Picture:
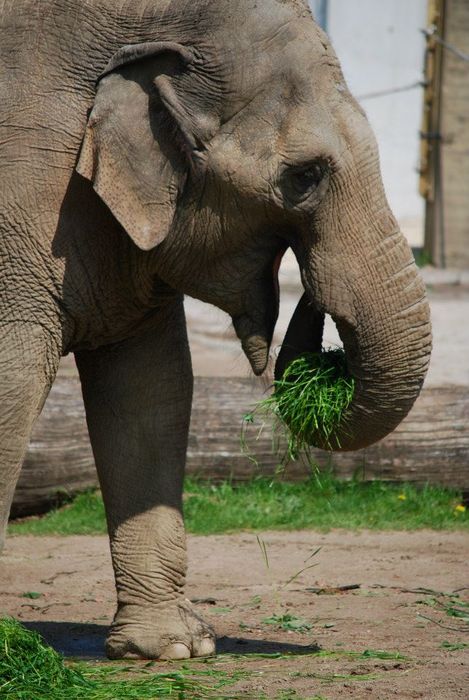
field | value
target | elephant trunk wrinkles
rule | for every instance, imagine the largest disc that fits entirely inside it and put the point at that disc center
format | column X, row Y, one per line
column 382, row 315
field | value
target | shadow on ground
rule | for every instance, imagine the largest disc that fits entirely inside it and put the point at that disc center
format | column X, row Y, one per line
column 86, row 641
column 240, row 645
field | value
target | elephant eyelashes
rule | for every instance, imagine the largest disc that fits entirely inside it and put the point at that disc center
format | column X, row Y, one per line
column 300, row 183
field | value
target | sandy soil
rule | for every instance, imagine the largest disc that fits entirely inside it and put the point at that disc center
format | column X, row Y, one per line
column 236, row 592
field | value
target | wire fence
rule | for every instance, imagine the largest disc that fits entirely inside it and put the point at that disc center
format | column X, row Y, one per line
column 428, row 33
column 431, row 33
column 391, row 91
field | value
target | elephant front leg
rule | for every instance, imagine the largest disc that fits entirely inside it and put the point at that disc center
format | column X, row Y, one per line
column 153, row 619
column 137, row 396
column 29, row 357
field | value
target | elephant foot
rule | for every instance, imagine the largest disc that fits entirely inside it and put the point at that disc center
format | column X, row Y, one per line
column 173, row 631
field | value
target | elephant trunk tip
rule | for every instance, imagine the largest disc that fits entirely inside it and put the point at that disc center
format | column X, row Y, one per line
column 385, row 371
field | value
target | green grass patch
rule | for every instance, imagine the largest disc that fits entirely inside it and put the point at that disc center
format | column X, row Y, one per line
column 32, row 595
column 83, row 515
column 320, row 503
column 32, row 670
column 29, row 669
column 308, row 403
column 338, row 677
column 422, row 257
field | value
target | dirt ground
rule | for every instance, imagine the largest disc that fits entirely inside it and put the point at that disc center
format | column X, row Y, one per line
column 398, row 607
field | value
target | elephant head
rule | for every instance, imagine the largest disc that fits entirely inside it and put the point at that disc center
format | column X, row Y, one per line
column 233, row 136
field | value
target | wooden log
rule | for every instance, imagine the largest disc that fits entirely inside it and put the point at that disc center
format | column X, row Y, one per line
column 430, row 446
column 59, row 461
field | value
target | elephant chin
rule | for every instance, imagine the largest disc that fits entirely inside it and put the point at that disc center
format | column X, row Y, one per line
column 256, row 348
column 255, row 334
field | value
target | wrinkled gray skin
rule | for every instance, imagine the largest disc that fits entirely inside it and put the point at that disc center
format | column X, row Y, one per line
column 187, row 169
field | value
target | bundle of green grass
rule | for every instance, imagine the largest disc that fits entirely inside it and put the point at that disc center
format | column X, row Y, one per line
column 31, row 670
column 310, row 400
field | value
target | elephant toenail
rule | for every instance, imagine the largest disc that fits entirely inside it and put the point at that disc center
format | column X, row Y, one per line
column 204, row 647
column 178, row 650
column 131, row 655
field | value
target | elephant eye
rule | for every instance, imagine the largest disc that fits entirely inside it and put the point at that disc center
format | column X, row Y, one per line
column 307, row 178
column 303, row 181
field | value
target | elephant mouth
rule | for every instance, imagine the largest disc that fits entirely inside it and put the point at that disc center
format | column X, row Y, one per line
column 275, row 270
column 297, row 341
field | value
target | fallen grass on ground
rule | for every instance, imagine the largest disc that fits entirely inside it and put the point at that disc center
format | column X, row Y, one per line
column 31, row 670
column 321, row 502
column 448, row 605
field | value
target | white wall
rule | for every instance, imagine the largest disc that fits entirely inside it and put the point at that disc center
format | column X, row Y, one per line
column 380, row 46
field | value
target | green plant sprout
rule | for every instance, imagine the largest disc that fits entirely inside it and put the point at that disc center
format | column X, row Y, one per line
column 310, row 399
column 288, row 622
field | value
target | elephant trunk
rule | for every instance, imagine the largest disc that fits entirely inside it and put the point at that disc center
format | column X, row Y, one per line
column 379, row 305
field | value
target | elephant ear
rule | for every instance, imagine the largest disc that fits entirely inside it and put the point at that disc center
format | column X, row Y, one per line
column 144, row 109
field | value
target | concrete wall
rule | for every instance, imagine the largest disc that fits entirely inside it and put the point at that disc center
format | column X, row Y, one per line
column 380, row 47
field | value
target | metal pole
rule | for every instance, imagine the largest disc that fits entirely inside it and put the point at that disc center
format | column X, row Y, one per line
column 431, row 185
column 320, row 12
column 323, row 13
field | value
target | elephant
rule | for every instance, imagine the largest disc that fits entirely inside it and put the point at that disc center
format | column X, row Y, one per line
column 161, row 148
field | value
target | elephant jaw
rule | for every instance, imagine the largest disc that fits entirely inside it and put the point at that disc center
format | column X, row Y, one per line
column 255, row 328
